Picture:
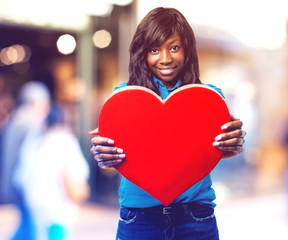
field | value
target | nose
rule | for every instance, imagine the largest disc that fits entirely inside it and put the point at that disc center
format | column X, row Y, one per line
column 165, row 57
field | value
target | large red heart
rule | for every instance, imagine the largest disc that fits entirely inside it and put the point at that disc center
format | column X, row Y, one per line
column 168, row 144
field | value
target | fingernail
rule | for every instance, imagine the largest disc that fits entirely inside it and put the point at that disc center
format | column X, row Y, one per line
column 224, row 127
column 110, row 141
column 215, row 144
column 122, row 156
column 119, row 150
column 218, row 138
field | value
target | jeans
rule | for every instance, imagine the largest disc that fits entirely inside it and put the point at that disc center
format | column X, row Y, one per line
column 181, row 222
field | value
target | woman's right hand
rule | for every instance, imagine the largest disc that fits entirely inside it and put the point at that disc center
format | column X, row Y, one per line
column 104, row 151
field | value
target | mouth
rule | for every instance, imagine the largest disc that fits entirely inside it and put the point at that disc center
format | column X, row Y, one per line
column 166, row 71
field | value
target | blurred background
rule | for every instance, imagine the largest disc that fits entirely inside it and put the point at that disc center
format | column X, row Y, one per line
column 79, row 49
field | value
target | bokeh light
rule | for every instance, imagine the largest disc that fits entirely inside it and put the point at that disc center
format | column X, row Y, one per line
column 14, row 54
column 102, row 38
column 66, row 44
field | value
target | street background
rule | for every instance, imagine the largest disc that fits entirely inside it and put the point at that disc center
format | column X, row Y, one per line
column 81, row 52
column 256, row 217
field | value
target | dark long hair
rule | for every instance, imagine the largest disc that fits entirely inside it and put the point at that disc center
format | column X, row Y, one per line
column 155, row 28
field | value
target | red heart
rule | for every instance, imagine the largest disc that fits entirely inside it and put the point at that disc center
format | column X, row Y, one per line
column 168, row 144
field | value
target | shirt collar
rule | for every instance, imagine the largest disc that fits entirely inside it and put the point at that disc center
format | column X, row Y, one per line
column 164, row 91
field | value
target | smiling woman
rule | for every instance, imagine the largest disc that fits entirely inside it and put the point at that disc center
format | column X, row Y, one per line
column 163, row 58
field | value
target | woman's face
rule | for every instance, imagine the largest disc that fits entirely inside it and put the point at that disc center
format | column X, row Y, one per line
column 167, row 60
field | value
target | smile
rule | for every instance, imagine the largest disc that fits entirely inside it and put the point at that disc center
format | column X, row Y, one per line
column 167, row 71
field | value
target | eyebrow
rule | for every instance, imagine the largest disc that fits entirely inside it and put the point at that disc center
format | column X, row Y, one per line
column 174, row 40
column 171, row 42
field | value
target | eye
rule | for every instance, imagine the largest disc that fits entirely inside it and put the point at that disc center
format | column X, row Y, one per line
column 154, row 50
column 175, row 48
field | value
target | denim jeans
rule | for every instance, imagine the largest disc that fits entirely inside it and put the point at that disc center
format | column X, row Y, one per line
column 186, row 222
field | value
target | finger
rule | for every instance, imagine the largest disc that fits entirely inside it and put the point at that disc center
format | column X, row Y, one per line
column 94, row 132
column 103, row 149
column 93, row 150
column 100, row 157
column 239, row 133
column 228, row 154
column 229, row 142
column 106, row 149
column 233, row 124
column 230, row 126
column 237, row 149
column 109, row 164
column 102, row 141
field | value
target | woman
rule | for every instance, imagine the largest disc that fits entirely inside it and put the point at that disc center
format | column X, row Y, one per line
column 163, row 57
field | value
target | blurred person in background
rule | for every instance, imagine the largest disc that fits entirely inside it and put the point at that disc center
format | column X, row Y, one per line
column 6, row 107
column 6, row 104
column 30, row 114
column 53, row 174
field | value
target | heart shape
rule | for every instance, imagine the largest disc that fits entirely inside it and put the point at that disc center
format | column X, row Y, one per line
column 168, row 144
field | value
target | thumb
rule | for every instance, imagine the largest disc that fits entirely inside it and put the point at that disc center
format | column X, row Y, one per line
column 94, row 132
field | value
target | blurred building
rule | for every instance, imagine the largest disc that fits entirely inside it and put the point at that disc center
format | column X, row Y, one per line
column 74, row 50
column 81, row 52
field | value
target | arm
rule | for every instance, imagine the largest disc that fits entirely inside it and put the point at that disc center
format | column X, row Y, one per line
column 104, row 151
column 77, row 190
column 231, row 142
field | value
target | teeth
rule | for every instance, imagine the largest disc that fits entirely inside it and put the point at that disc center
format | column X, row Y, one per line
column 166, row 71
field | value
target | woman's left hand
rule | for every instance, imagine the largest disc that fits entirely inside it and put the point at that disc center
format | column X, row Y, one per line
column 231, row 142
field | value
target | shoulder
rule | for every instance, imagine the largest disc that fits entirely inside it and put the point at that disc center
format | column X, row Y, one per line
column 216, row 89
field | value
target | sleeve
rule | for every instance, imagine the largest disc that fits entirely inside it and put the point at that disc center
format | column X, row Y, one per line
column 123, row 84
column 216, row 89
